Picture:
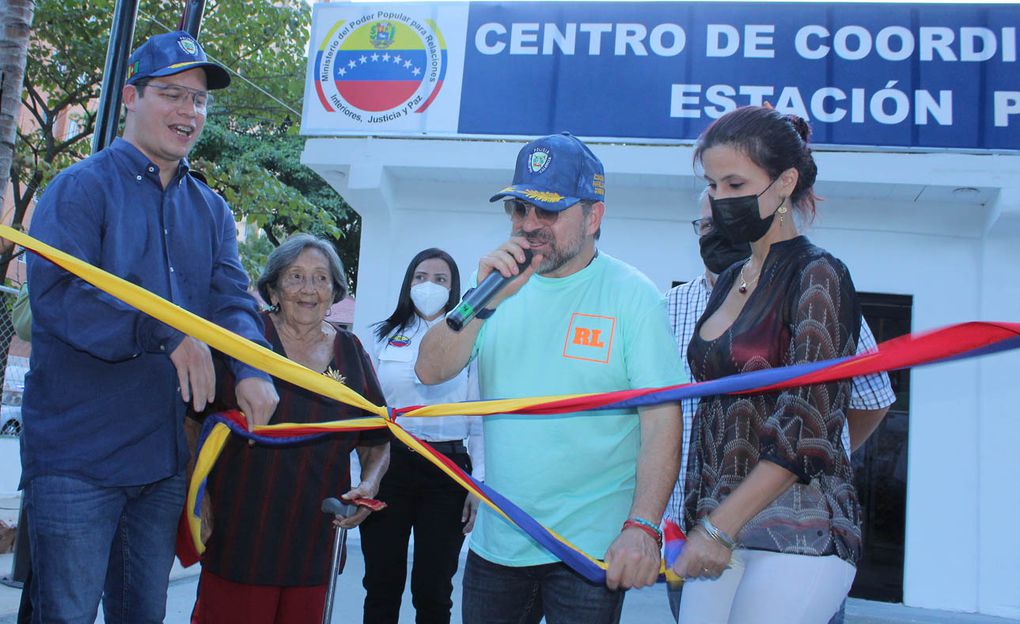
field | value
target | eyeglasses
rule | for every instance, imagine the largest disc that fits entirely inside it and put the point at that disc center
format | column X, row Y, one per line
column 517, row 210
column 297, row 281
column 703, row 226
column 176, row 94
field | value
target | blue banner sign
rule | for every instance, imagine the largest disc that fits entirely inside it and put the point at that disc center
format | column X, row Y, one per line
column 893, row 75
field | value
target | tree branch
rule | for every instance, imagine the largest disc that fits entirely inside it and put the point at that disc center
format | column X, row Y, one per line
column 35, row 102
column 268, row 229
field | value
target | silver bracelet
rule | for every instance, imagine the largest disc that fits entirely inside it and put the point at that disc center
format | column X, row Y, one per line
column 716, row 533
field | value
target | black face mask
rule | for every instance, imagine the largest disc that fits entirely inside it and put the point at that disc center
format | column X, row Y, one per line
column 738, row 217
column 719, row 253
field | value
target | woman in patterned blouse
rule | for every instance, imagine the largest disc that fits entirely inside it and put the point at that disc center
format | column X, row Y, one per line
column 774, row 519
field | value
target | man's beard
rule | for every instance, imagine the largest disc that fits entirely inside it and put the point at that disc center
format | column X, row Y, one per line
column 557, row 254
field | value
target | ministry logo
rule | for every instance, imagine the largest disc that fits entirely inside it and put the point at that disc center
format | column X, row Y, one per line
column 380, row 67
column 381, row 35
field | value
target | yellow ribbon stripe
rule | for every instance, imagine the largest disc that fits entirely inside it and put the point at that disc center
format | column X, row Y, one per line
column 492, row 406
column 210, row 452
column 274, row 364
column 195, row 326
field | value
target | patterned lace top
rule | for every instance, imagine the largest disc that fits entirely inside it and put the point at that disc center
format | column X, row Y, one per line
column 804, row 309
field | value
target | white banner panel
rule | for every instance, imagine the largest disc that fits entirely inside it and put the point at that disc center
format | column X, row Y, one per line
column 385, row 69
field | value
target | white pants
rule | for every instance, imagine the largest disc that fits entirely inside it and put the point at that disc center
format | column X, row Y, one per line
column 763, row 587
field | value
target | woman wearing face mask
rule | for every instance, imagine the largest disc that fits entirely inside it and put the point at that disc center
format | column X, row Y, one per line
column 773, row 519
column 421, row 498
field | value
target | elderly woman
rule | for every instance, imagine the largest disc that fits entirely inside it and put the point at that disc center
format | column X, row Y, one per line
column 267, row 557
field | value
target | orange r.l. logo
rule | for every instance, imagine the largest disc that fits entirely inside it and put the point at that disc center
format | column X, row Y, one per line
column 587, row 337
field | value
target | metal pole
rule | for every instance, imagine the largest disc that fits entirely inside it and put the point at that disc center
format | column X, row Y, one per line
column 121, row 34
column 336, row 509
column 339, row 537
column 191, row 21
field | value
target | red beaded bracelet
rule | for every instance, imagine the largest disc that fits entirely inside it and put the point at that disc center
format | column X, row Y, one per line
column 655, row 535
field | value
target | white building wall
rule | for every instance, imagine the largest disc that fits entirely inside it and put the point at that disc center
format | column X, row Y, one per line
column 998, row 474
column 894, row 219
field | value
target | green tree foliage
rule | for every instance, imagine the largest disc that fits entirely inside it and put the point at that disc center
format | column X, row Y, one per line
column 250, row 149
column 261, row 177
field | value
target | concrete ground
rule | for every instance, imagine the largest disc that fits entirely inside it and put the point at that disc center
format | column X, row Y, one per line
column 640, row 607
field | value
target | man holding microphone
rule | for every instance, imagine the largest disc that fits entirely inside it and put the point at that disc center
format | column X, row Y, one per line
column 573, row 320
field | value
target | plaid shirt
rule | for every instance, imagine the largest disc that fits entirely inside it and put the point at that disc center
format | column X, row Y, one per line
column 685, row 305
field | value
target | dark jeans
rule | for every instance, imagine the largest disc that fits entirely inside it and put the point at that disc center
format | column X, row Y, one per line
column 25, row 606
column 496, row 594
column 89, row 541
column 420, row 498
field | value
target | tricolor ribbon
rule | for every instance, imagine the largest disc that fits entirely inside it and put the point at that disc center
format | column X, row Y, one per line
column 960, row 341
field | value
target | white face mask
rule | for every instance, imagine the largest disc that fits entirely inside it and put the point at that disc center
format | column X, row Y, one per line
column 429, row 298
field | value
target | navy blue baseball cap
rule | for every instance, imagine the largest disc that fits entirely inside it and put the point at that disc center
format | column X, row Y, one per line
column 555, row 172
column 172, row 53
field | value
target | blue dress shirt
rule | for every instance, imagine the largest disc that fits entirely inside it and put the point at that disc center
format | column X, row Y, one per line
column 101, row 400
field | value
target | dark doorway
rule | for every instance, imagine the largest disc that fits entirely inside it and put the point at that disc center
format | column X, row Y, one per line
column 880, row 466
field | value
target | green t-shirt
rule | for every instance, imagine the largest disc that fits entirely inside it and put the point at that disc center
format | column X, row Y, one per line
column 601, row 329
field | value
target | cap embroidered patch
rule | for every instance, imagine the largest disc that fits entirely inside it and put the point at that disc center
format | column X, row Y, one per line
column 132, row 69
column 539, row 159
column 544, row 196
column 598, row 184
column 188, row 45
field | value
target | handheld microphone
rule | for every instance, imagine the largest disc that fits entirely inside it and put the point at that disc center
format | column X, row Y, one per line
column 477, row 298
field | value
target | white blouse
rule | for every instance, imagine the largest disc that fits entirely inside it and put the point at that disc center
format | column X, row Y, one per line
column 394, row 357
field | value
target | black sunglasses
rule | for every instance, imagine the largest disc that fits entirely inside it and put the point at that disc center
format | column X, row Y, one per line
column 517, row 210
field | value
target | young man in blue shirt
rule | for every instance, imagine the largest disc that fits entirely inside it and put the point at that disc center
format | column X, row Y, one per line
column 103, row 449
